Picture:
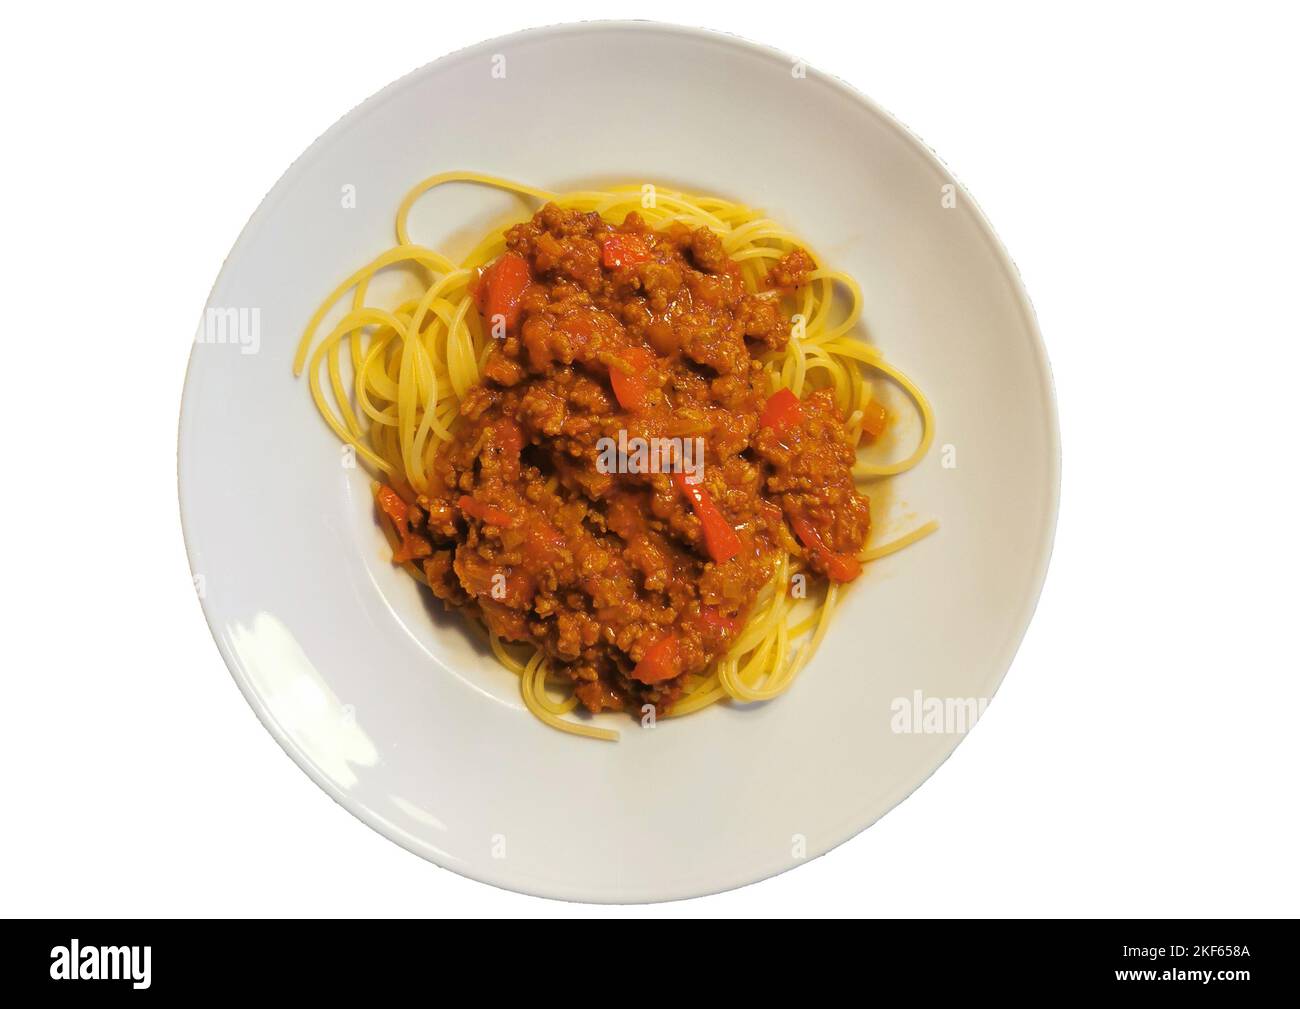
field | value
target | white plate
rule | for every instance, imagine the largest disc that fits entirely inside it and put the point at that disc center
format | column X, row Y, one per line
column 390, row 705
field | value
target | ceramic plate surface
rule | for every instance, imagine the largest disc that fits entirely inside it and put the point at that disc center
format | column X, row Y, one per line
column 393, row 707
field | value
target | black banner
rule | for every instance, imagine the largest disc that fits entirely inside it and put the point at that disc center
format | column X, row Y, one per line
column 1229, row 959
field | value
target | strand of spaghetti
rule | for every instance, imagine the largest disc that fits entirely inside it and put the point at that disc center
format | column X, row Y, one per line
column 817, row 359
column 466, row 374
column 781, row 665
column 706, row 203
column 758, row 626
column 456, row 366
column 862, row 470
column 397, row 254
column 661, row 199
column 809, row 648
column 428, row 420
column 336, row 384
column 757, row 252
column 760, row 658
column 354, row 345
column 430, row 431
column 408, row 393
column 782, row 672
column 731, row 678
column 736, row 685
column 504, row 657
column 318, row 395
column 795, row 367
column 756, row 231
column 734, row 214
column 424, row 348
column 543, row 680
column 554, row 721
column 483, row 357
column 859, row 396
column 391, row 443
column 806, row 624
column 448, row 414
column 420, row 188
column 816, row 308
column 537, row 671
column 449, row 281
column 885, row 549
column 485, row 252
column 371, row 376
column 808, row 310
column 456, row 292
column 855, row 307
column 697, row 702
column 354, row 340
column 699, row 695
column 379, row 440
column 375, row 372
column 853, row 427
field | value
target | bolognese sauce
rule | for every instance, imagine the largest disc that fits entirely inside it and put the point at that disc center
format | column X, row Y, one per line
column 630, row 580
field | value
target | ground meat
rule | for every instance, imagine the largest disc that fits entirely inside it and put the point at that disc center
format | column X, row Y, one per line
column 809, row 473
column 626, row 335
column 790, row 271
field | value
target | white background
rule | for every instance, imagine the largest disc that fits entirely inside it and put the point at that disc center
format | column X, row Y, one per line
column 1142, row 166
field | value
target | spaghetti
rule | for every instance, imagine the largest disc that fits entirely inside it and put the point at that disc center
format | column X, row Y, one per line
column 392, row 384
